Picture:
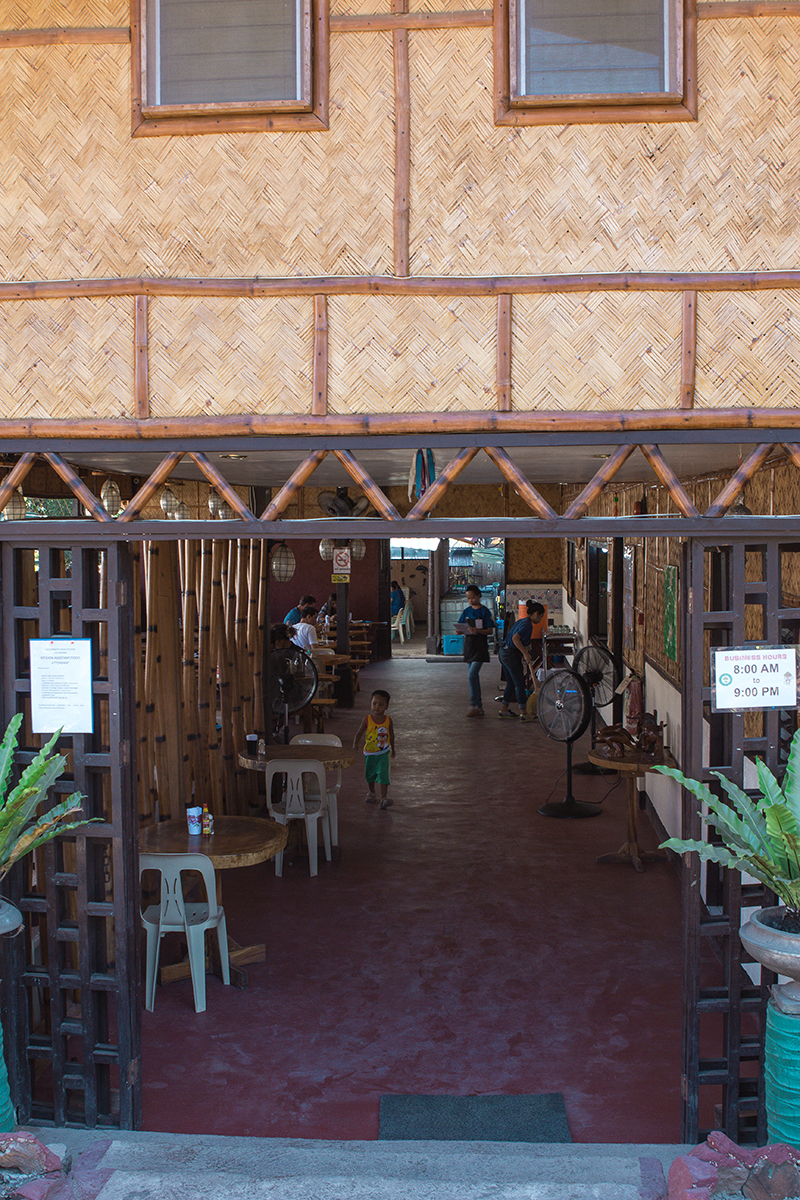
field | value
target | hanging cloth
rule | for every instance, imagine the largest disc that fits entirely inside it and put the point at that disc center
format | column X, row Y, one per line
column 422, row 473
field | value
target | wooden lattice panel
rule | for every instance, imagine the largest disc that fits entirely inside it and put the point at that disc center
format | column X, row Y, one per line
column 66, row 358
column 61, row 14
column 411, row 354
column 596, row 351
column 220, row 356
column 748, row 349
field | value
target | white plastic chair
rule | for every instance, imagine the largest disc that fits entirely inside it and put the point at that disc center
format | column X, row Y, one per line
column 173, row 915
column 326, row 739
column 297, row 806
column 398, row 626
column 409, row 624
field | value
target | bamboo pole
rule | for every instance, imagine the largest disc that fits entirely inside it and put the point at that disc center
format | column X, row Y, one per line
column 95, row 36
column 440, row 485
column 504, row 327
column 793, row 451
column 141, row 386
column 319, row 406
column 220, row 657
column 742, row 475
column 150, row 486
column 688, row 349
column 595, row 486
column 189, row 614
column 15, row 477
column 77, row 487
column 371, row 490
column 293, row 485
column 402, row 145
column 716, row 9
column 207, row 687
column 526, row 490
column 264, row 626
column 217, row 480
column 670, row 480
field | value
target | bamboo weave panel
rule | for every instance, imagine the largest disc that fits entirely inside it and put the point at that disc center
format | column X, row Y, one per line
column 62, row 14
column 67, row 358
column 596, row 351
column 748, row 351
column 411, row 354
column 219, row 356
column 711, row 195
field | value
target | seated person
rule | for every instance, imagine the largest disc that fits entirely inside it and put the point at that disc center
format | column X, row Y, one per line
column 305, row 631
column 329, row 607
column 398, row 598
column 279, row 659
column 294, row 614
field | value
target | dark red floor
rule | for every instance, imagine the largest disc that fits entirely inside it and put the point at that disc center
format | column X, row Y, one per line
column 462, row 944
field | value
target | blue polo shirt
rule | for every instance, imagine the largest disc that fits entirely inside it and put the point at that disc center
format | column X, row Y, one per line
column 523, row 627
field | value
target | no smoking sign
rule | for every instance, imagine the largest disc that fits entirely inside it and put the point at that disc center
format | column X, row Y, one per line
column 341, row 560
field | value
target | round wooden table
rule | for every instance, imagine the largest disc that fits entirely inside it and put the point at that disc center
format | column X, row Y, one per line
column 235, row 842
column 634, row 765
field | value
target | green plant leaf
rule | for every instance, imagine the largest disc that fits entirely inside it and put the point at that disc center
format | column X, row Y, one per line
column 709, row 853
column 770, row 788
column 7, row 749
column 751, row 815
column 791, row 779
column 782, row 829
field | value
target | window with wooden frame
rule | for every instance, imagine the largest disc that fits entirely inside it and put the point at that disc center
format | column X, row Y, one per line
column 571, row 61
column 204, row 66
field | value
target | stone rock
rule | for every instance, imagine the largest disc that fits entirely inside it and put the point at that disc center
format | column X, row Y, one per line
column 24, row 1153
column 720, row 1167
column 772, row 1181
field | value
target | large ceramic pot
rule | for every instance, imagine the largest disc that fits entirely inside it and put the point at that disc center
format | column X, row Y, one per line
column 777, row 950
column 10, row 920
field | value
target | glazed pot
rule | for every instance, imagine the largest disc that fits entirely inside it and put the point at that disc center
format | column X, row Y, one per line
column 777, row 950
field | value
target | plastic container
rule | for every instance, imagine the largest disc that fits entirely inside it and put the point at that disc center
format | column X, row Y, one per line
column 453, row 643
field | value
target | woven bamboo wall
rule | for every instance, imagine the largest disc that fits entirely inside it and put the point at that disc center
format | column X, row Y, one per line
column 86, row 199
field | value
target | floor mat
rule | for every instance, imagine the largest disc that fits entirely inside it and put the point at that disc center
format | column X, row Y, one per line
column 474, row 1118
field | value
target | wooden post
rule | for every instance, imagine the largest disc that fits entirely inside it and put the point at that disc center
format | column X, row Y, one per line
column 504, row 335
column 319, row 404
column 402, row 144
column 141, row 383
column 689, row 349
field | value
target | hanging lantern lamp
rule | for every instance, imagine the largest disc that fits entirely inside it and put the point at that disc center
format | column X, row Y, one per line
column 111, row 497
column 16, row 509
column 225, row 513
column 169, row 503
column 326, row 549
column 358, row 549
column 214, row 503
column 183, row 512
column 283, row 563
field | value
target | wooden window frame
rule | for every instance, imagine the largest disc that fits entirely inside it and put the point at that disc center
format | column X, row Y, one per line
column 310, row 112
column 510, row 109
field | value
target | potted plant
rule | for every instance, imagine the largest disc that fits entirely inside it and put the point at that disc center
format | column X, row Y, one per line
column 761, row 838
column 21, row 831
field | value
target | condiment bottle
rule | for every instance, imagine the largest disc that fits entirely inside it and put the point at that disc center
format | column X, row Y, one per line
column 205, row 826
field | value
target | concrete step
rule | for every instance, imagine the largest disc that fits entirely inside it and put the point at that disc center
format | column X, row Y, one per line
column 179, row 1167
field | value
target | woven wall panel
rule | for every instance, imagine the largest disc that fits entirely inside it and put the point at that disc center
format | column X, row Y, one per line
column 222, row 204
column 711, row 195
column 65, row 14
column 216, row 356
column 66, row 358
column 411, row 354
column 748, row 349
column 596, row 351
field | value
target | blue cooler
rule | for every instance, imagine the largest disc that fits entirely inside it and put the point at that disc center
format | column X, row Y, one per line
column 453, row 643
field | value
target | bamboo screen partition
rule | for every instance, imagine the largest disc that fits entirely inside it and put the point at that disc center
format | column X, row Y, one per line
column 199, row 630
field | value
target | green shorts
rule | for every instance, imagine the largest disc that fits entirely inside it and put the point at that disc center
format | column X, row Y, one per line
column 376, row 767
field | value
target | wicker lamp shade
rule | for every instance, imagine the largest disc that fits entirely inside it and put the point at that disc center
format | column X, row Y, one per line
column 225, row 513
column 16, row 509
column 111, row 497
column 183, row 512
column 326, row 549
column 282, row 564
column 214, row 503
column 358, row 548
column 169, row 503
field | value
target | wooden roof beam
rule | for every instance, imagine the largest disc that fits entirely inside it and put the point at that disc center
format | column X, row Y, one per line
column 150, row 487
column 527, row 491
column 580, row 505
column 76, row 485
column 293, row 485
column 15, row 477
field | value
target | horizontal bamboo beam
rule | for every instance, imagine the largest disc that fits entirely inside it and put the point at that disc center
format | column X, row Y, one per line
column 64, row 37
column 417, row 285
column 369, row 22
column 714, row 9
column 484, row 424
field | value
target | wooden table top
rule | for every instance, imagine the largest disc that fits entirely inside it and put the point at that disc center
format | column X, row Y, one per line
column 633, row 761
column 235, row 842
column 331, row 757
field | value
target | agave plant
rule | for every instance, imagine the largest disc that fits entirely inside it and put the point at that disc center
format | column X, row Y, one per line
column 760, row 836
column 20, row 829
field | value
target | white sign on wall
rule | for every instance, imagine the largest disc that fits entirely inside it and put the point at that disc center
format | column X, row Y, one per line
column 61, row 685
column 744, row 677
column 341, row 560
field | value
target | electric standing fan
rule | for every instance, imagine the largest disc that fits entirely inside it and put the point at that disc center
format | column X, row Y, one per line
column 298, row 681
column 597, row 667
column 564, row 708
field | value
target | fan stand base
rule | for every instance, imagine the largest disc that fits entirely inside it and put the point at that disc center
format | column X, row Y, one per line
column 570, row 809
